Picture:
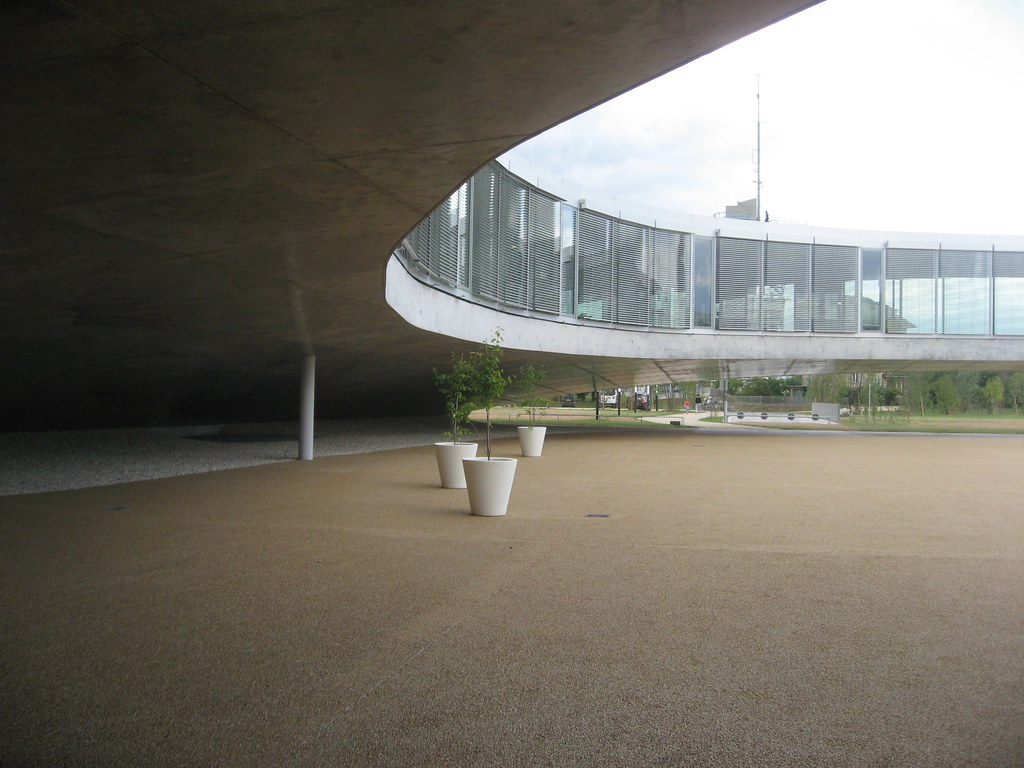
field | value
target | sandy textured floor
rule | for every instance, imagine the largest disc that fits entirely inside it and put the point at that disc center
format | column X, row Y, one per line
column 673, row 598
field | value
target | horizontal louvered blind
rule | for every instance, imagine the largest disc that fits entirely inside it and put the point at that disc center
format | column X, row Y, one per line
column 834, row 288
column 738, row 284
column 633, row 274
column 445, row 238
column 670, row 299
column 910, row 264
column 1008, row 276
column 787, row 287
column 484, row 206
column 596, row 268
column 544, row 252
column 513, row 270
column 964, row 291
column 973, row 264
column 1008, row 264
column 418, row 243
column 910, row 290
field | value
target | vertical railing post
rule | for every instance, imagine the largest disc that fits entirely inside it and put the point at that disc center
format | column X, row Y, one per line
column 992, row 291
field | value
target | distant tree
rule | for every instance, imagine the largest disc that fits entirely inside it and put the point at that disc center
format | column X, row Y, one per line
column 918, row 392
column 454, row 386
column 827, row 388
column 947, row 399
column 769, row 386
column 486, row 377
column 993, row 392
column 528, row 380
column 968, row 389
column 888, row 395
column 1014, row 387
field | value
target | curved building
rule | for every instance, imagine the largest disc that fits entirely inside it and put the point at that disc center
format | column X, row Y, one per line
column 199, row 201
column 701, row 297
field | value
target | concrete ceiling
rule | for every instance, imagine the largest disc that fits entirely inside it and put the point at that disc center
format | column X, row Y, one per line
column 194, row 194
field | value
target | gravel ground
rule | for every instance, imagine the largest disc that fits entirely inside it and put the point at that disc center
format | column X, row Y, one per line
column 36, row 462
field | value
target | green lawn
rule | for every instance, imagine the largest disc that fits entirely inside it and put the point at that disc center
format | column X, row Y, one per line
column 1001, row 423
column 572, row 417
column 978, row 422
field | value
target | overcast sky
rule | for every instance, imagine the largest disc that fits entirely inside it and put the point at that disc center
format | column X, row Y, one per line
column 903, row 115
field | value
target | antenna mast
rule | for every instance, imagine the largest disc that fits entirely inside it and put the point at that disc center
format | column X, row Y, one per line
column 757, row 153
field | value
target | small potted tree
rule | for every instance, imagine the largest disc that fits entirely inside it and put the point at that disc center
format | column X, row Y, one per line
column 488, row 479
column 531, row 438
column 454, row 386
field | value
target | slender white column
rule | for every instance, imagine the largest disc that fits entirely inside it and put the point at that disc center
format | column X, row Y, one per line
column 306, row 408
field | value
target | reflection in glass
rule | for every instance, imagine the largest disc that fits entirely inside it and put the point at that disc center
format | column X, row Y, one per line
column 910, row 290
column 1008, row 274
column 703, row 273
column 871, row 289
column 964, row 291
column 568, row 260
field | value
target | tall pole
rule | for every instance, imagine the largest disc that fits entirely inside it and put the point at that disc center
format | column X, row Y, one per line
column 725, row 398
column 757, row 155
column 306, row 408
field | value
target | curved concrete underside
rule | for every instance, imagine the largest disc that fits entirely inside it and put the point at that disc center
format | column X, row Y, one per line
column 195, row 195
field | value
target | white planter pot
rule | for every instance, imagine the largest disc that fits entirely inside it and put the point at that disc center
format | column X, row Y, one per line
column 449, row 462
column 531, row 439
column 489, row 484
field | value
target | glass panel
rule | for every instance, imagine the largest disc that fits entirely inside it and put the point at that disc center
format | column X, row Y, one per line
column 483, row 268
column 670, row 299
column 544, row 253
column 787, row 287
column 513, row 269
column 419, row 245
column 910, row 285
column 834, row 293
column 444, row 240
column 870, row 289
column 632, row 273
column 739, row 285
column 1008, row 275
column 703, row 282
column 964, row 291
column 594, row 254
column 462, row 259
column 568, row 260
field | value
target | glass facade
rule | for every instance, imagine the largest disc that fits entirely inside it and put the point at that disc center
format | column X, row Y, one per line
column 506, row 241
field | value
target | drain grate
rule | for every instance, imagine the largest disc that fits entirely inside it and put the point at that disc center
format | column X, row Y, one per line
column 594, row 514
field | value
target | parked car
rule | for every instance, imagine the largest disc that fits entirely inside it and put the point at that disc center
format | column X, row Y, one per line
column 642, row 404
column 609, row 399
column 568, row 401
